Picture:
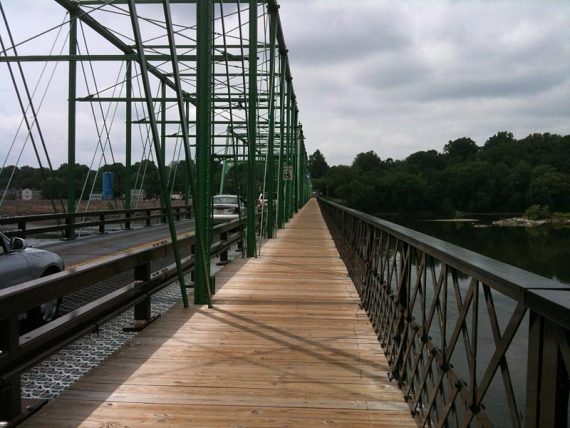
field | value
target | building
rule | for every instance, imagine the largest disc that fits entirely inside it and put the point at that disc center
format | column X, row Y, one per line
column 29, row 194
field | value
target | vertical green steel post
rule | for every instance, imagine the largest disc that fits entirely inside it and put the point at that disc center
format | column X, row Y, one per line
column 163, row 124
column 128, row 134
column 187, row 169
column 295, row 141
column 203, row 144
column 280, row 182
column 287, row 206
column 71, row 129
column 251, row 250
column 300, row 166
column 270, row 186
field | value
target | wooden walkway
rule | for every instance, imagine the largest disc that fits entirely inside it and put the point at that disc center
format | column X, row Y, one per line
column 285, row 345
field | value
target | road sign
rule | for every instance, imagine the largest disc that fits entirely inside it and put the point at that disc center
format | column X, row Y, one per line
column 287, row 173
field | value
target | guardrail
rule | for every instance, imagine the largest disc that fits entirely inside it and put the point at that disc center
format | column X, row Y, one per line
column 67, row 223
column 470, row 340
column 18, row 352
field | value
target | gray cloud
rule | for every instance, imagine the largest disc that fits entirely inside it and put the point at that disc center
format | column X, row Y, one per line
column 397, row 77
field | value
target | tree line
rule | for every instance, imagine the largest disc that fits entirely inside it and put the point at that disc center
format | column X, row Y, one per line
column 503, row 175
column 144, row 175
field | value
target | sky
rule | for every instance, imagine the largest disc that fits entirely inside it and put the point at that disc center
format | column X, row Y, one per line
column 397, row 77
column 392, row 76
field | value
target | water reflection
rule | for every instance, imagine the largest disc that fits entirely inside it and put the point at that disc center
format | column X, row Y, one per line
column 544, row 250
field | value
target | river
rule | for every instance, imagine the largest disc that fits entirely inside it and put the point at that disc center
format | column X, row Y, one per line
column 544, row 250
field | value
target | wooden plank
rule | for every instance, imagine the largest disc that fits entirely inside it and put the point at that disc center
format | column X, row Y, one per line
column 286, row 344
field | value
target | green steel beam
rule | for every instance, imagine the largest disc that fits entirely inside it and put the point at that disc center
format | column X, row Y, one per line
column 270, row 186
column 128, row 135
column 280, row 182
column 106, row 2
column 251, row 250
column 288, row 150
column 202, row 249
column 71, row 122
column 204, row 18
column 110, row 57
column 164, row 191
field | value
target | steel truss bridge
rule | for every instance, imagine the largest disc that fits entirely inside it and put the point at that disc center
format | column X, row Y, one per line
column 206, row 81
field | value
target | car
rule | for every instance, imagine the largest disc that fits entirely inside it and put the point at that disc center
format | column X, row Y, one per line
column 227, row 208
column 264, row 198
column 20, row 263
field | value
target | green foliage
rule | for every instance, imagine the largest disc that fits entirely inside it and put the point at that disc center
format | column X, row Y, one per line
column 318, row 166
column 505, row 175
column 537, row 212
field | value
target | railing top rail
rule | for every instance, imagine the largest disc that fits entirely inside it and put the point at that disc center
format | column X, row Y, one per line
column 22, row 297
column 52, row 216
column 543, row 295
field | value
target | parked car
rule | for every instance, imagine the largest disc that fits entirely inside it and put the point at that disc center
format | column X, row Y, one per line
column 227, row 208
column 264, row 198
column 19, row 263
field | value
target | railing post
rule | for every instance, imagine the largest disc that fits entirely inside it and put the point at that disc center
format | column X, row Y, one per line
column 128, row 220
column 101, row 223
column 224, row 254
column 10, row 396
column 69, row 226
column 148, row 217
column 548, row 385
column 142, row 310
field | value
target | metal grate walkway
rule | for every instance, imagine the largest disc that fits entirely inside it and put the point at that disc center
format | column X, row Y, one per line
column 286, row 344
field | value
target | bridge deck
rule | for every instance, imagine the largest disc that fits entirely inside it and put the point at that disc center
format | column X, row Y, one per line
column 285, row 345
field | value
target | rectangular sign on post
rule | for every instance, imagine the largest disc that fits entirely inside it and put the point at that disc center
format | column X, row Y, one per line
column 288, row 173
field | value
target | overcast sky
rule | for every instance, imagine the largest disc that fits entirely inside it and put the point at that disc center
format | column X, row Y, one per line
column 384, row 75
column 401, row 76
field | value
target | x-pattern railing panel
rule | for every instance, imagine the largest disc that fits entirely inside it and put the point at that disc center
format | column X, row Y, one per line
column 447, row 326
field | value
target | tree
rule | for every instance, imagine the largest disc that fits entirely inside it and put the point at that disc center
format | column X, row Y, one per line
column 461, row 149
column 368, row 161
column 318, row 166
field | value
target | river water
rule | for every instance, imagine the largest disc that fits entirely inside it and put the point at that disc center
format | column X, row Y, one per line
column 544, row 250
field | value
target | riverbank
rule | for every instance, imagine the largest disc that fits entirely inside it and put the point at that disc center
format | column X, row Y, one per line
column 527, row 222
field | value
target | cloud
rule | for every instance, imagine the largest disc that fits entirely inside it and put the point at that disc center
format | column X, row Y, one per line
column 398, row 77
column 394, row 77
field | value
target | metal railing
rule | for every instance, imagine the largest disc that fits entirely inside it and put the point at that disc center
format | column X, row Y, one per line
column 68, row 223
column 19, row 352
column 470, row 341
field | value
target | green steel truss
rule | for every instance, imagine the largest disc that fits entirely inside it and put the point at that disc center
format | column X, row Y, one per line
column 209, row 77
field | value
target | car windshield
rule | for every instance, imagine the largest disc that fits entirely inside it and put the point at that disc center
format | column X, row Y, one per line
column 225, row 199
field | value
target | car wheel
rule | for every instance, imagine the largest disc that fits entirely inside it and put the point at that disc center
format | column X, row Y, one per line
column 46, row 312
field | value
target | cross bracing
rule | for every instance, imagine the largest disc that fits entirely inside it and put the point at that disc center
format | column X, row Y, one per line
column 194, row 82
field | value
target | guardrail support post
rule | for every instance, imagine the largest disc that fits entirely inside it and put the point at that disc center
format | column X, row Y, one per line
column 128, row 220
column 142, row 311
column 224, row 254
column 548, row 385
column 148, row 217
column 10, row 398
column 101, row 223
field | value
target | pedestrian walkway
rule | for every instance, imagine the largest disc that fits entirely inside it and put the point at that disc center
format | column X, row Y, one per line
column 285, row 344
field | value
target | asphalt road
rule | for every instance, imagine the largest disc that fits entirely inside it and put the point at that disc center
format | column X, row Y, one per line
column 90, row 247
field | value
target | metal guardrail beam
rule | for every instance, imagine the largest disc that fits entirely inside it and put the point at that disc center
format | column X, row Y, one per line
column 125, row 216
